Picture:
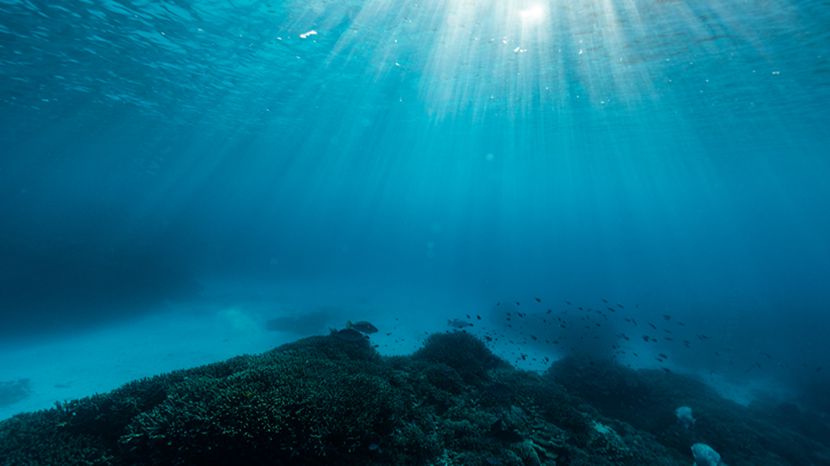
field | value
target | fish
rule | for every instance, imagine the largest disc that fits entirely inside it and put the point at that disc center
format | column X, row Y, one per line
column 458, row 323
column 362, row 326
column 538, row 300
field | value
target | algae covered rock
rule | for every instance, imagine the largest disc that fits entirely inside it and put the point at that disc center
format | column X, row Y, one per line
column 466, row 354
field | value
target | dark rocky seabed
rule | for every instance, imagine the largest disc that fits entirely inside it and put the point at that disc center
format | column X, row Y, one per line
column 335, row 400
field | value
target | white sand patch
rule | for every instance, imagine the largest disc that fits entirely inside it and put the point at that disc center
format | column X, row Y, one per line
column 101, row 360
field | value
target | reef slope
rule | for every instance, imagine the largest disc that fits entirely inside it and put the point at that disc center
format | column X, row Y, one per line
column 334, row 400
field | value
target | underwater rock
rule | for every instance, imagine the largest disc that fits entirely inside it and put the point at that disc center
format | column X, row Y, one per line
column 461, row 351
column 13, row 391
column 608, row 443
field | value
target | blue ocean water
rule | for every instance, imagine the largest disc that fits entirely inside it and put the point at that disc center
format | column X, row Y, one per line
column 303, row 162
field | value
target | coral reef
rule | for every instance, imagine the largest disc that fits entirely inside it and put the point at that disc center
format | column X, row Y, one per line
column 335, row 400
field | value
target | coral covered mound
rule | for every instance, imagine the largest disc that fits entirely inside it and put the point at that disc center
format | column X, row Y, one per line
column 335, row 400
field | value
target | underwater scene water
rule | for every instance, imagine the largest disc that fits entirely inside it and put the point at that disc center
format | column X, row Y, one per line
column 440, row 231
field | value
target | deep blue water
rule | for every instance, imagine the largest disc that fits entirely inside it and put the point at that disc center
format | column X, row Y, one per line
column 669, row 156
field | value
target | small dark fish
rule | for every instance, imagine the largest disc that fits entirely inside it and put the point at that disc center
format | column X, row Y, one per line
column 666, row 316
column 478, row 317
column 620, row 306
column 549, row 311
column 488, row 338
column 567, row 302
column 538, row 300
column 645, row 338
column 605, row 300
column 662, row 355
column 534, row 337
column 518, row 303
column 666, row 370
column 652, row 326
column 458, row 323
column 362, row 326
